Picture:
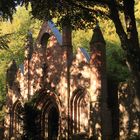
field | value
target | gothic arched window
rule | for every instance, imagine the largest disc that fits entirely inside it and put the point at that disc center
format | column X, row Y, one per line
column 17, row 124
column 80, row 111
column 44, row 39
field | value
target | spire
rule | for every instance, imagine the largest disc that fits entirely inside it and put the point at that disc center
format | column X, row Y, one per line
column 29, row 45
column 97, row 36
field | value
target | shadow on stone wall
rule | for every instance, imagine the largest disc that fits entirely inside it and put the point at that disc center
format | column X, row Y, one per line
column 129, row 107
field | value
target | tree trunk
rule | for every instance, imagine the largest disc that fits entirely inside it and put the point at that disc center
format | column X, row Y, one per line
column 129, row 38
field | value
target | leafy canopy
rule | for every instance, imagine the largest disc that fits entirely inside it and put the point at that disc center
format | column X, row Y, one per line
column 16, row 31
column 83, row 14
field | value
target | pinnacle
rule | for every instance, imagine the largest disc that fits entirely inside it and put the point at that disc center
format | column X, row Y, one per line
column 97, row 36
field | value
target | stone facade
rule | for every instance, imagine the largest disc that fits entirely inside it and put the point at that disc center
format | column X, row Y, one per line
column 68, row 92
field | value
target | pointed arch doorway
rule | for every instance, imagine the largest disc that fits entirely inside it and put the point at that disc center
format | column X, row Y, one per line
column 53, row 123
column 50, row 119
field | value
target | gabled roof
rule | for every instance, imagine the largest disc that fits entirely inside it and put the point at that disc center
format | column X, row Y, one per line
column 85, row 53
column 55, row 31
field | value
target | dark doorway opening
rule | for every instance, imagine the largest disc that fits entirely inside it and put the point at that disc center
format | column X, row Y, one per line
column 53, row 124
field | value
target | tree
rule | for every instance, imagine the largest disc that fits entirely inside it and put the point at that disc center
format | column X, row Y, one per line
column 84, row 14
column 13, row 37
column 7, row 9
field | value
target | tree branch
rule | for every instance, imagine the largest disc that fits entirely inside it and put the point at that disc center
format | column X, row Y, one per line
column 130, row 22
column 114, row 15
column 86, row 8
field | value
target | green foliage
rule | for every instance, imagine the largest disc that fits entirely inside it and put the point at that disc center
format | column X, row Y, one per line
column 4, row 40
column 116, row 58
column 83, row 14
column 81, row 38
column 3, row 90
column 16, row 32
column 137, row 14
column 116, row 63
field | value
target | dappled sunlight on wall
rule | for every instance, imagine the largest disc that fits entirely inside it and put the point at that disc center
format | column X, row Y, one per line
column 129, row 111
column 73, row 88
column 80, row 105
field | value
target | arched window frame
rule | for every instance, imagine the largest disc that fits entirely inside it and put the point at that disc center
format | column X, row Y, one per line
column 45, row 103
column 44, row 39
column 78, row 97
column 17, row 119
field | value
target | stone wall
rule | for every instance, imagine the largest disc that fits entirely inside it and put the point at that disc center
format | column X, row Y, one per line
column 129, row 107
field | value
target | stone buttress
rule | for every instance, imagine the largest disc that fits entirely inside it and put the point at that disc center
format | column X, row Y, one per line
column 100, row 114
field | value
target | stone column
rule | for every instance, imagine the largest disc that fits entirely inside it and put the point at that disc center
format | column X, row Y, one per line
column 68, row 52
column 100, row 114
column 28, row 56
